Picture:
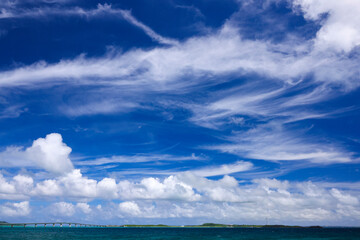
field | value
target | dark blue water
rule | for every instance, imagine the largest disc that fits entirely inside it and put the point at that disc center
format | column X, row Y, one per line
column 179, row 233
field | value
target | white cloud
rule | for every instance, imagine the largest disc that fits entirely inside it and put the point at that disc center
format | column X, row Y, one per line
column 197, row 61
column 63, row 209
column 98, row 107
column 138, row 158
column 274, row 143
column 344, row 198
column 6, row 187
column 75, row 185
column 239, row 166
column 23, row 184
column 154, row 188
column 187, row 195
column 67, row 209
column 51, row 154
column 282, row 91
column 130, row 208
column 340, row 30
column 17, row 189
column 48, row 187
column 15, row 209
column 102, row 10
column 153, row 35
column 84, row 207
column 197, row 56
column 107, row 188
column 282, row 202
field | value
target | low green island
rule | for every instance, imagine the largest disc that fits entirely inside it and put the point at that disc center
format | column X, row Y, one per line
column 211, row 225
column 205, row 225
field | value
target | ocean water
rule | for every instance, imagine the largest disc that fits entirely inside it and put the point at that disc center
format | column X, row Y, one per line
column 48, row 233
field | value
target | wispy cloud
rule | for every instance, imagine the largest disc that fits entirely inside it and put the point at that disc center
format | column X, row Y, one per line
column 131, row 19
column 225, row 169
column 281, row 84
column 102, row 10
column 140, row 158
column 273, row 142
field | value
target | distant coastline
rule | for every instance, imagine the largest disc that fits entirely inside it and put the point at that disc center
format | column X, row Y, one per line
column 204, row 225
column 211, row 225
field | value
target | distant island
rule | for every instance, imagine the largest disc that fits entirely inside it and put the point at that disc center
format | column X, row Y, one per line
column 212, row 225
column 205, row 225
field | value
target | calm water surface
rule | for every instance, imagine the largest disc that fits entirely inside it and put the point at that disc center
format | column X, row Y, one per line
column 178, row 233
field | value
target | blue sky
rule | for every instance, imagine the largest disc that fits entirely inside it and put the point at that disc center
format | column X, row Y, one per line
column 180, row 112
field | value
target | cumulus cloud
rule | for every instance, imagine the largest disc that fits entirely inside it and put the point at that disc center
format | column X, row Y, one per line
column 49, row 153
column 75, row 185
column 188, row 195
column 15, row 209
column 153, row 188
column 339, row 29
column 84, row 207
column 129, row 208
column 63, row 209
column 19, row 188
column 68, row 209
column 48, row 187
column 278, row 201
column 107, row 188
column 6, row 187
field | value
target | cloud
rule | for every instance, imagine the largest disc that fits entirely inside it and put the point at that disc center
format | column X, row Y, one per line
column 197, row 56
column 96, row 107
column 107, row 188
column 63, row 209
column 48, row 187
column 49, row 153
column 68, row 209
column 84, row 207
column 154, row 188
column 75, row 185
column 15, row 209
column 102, row 10
column 340, row 21
column 281, row 202
column 153, row 35
column 187, row 195
column 13, row 111
column 5, row 187
column 239, row 166
column 344, row 198
column 274, row 143
column 18, row 189
column 273, row 86
column 138, row 158
column 129, row 208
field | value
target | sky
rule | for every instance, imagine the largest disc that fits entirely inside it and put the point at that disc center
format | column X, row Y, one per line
column 180, row 112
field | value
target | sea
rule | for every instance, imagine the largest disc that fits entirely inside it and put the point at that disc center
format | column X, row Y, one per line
column 54, row 233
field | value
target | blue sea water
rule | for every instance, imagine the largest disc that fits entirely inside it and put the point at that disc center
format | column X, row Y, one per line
column 178, row 233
